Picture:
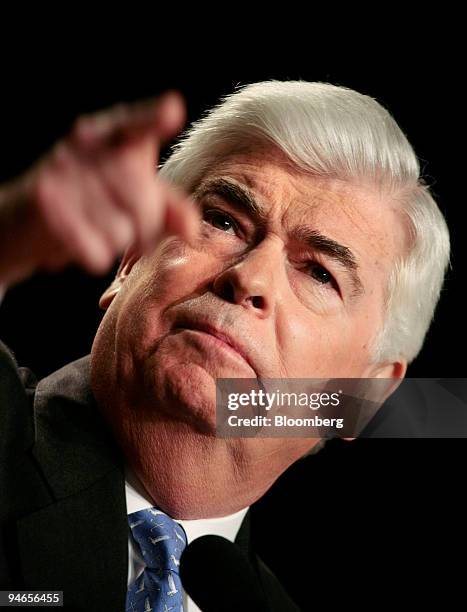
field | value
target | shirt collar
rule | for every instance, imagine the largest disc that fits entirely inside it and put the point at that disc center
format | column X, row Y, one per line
column 226, row 526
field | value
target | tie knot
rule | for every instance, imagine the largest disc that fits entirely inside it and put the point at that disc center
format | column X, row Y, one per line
column 160, row 538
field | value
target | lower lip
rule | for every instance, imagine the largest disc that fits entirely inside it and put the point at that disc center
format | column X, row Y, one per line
column 213, row 341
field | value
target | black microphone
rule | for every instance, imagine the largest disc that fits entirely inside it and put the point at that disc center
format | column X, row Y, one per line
column 218, row 576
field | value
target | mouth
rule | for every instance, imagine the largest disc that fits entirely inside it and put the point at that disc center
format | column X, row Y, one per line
column 220, row 339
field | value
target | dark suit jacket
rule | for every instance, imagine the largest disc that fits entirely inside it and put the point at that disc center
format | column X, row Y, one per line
column 63, row 521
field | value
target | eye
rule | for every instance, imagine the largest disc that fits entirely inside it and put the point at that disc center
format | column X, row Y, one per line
column 319, row 273
column 220, row 220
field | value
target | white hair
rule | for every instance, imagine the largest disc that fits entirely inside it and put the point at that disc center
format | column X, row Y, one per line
column 335, row 132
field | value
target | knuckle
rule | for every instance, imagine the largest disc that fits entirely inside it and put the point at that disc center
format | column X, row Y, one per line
column 61, row 157
column 79, row 126
column 120, row 111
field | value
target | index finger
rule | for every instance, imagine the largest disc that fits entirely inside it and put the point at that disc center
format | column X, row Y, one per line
column 162, row 117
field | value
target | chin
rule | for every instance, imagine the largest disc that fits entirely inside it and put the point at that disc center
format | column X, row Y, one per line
column 182, row 392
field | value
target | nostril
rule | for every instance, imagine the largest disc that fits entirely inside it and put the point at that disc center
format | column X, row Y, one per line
column 228, row 291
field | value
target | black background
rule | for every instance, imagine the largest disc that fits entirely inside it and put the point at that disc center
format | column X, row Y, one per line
column 359, row 522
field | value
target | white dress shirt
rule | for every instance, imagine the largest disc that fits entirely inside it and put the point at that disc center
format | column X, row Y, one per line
column 137, row 499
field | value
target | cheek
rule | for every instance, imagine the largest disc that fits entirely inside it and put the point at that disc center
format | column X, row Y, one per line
column 322, row 347
column 317, row 299
column 171, row 275
column 174, row 271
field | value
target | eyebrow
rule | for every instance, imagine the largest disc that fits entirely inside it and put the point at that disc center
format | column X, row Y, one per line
column 332, row 249
column 239, row 195
column 243, row 199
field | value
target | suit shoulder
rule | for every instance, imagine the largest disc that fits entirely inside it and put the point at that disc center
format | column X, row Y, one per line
column 17, row 387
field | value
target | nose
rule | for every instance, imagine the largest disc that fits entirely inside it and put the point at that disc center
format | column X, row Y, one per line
column 253, row 281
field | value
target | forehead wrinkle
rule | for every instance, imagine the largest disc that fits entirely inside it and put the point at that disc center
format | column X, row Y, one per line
column 377, row 236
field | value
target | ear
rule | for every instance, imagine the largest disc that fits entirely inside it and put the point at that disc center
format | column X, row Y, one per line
column 394, row 372
column 130, row 257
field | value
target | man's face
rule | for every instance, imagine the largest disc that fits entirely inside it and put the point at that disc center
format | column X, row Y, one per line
column 286, row 279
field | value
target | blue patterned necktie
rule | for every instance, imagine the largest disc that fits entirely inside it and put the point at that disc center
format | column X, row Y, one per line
column 161, row 541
